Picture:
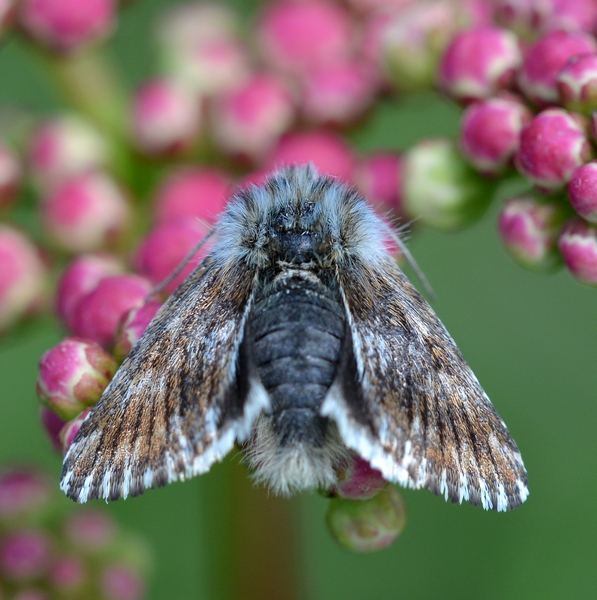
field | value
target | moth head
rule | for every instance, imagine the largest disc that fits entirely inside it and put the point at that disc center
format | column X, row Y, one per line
column 299, row 217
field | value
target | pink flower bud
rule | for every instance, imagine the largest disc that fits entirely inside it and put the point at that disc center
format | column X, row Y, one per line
column 22, row 493
column 97, row 315
column 52, row 425
column 22, row 277
column 578, row 245
column 379, row 177
column 577, row 83
column 528, row 18
column 490, row 133
column 183, row 24
column 166, row 118
column 479, row 62
column 133, row 326
column 86, row 213
column 544, row 60
column 529, row 229
column 10, row 176
column 67, row 574
column 90, row 531
column 367, row 525
column 166, row 246
column 121, row 582
column 552, row 145
column 70, row 429
column 63, row 147
column 570, row 15
column 81, row 277
column 441, row 188
column 201, row 47
column 299, row 36
column 330, row 154
column 337, row 93
column 67, row 25
column 192, row 192
column 360, row 481
column 366, row 6
column 73, row 376
column 248, row 120
column 24, row 555
column 582, row 191
column 413, row 41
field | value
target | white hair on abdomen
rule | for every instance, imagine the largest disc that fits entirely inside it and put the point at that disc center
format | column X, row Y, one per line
column 297, row 466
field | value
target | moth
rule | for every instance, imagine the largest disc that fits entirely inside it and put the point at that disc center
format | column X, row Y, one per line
column 300, row 339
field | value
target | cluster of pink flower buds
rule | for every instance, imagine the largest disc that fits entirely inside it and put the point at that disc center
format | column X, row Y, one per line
column 528, row 82
column 49, row 554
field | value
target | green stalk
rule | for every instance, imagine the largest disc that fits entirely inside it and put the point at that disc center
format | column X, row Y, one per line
column 250, row 537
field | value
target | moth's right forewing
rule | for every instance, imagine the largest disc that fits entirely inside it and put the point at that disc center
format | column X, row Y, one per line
column 406, row 400
column 177, row 404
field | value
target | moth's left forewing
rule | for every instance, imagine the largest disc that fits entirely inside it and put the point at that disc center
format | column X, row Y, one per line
column 177, row 404
column 406, row 400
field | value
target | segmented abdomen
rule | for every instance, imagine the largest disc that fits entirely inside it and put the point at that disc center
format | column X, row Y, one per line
column 297, row 326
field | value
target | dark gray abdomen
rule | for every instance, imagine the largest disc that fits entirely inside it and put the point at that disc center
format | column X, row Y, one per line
column 296, row 327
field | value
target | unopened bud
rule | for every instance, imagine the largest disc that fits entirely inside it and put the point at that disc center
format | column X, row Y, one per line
column 545, row 58
column 63, row 147
column 367, row 525
column 22, row 276
column 529, row 228
column 52, row 425
column 297, row 37
column 67, row 574
column 85, row 213
column 248, row 120
column 490, row 133
column 166, row 118
column 441, row 188
column 379, row 177
column 192, row 192
column 133, row 326
column 67, row 25
column 577, row 83
column 326, row 150
column 23, row 492
column 122, row 582
column 552, row 146
column 90, row 531
column 359, row 481
column 578, row 245
column 98, row 314
column 582, row 191
column 337, row 94
column 73, row 376
column 24, row 555
column 167, row 246
column 479, row 62
column 69, row 432
column 80, row 278
column 201, row 47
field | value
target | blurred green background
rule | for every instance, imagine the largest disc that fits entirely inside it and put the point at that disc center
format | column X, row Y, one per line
column 531, row 340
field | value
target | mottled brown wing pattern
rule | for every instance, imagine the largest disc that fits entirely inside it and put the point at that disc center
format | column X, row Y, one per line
column 407, row 401
column 173, row 407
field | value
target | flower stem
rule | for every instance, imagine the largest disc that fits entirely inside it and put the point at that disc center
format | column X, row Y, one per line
column 255, row 541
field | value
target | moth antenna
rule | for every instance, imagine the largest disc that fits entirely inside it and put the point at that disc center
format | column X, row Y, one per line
column 185, row 261
column 413, row 263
